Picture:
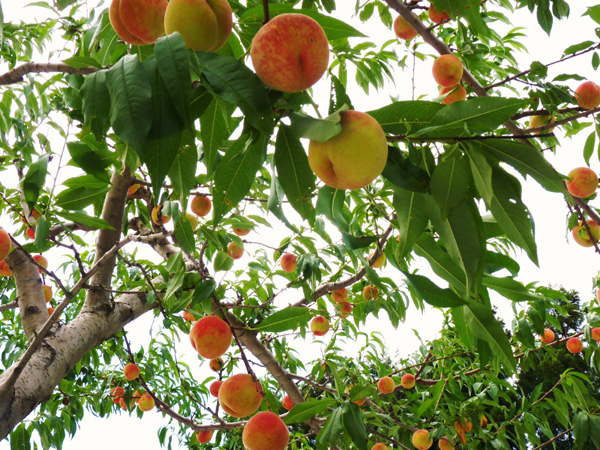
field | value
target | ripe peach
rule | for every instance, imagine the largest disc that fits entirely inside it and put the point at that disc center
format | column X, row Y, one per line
column 36, row 214
column 386, row 385
column 353, row 158
column 403, row 29
column 408, row 381
column 587, row 95
column 5, row 270
column 288, row 262
column 344, row 309
column 51, row 310
column 360, row 401
column 435, row 16
column 234, row 251
column 447, row 70
column 582, row 237
column 538, row 121
column 205, row 25
column 445, row 444
column 164, row 219
column 370, row 292
column 204, row 436
column 192, row 220
column 216, row 364
column 134, row 187
column 596, row 334
column 47, row 293
column 42, row 261
column 4, row 244
column 287, row 402
column 339, row 295
column 131, row 371
column 117, row 392
column 122, row 403
column 136, row 396
column 265, row 431
column 138, row 22
column 379, row 446
column 421, row 440
column 574, row 345
column 211, row 337
column 290, row 53
column 548, row 336
column 456, row 96
column 188, row 316
column 319, row 326
column 240, row 395
column 201, row 205
column 30, row 233
column 379, row 262
column 241, row 231
column 214, row 388
column 146, row 402
column 583, row 182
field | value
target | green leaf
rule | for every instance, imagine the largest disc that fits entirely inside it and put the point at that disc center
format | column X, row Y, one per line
column 81, row 62
column 274, row 205
column 412, row 218
column 588, row 149
column 578, row 47
column 42, row 231
column 79, row 198
column 441, row 263
column 449, row 183
column 356, row 242
column 462, row 328
column 184, row 234
column 320, row 130
column 88, row 181
column 403, row 173
column 497, row 261
column 200, row 100
column 485, row 326
column 34, row 180
column 355, row 424
column 288, row 318
column 93, row 161
column 406, row 117
column 85, row 220
column 359, row 391
column 96, row 102
column 509, row 288
column 433, row 294
column 295, row 175
column 307, row 410
column 130, row 101
column 236, row 173
column 544, row 16
column 330, row 203
column 213, row 129
column 332, row 429
column 203, row 291
column 581, row 429
column 524, row 333
column 183, row 173
column 223, row 262
column 482, row 174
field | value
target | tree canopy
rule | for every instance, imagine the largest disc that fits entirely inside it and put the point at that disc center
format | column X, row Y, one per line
column 103, row 140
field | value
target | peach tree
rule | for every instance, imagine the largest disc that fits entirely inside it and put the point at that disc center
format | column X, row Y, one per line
column 124, row 130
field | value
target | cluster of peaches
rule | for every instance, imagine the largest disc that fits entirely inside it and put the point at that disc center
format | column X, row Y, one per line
column 144, row 401
column 574, row 344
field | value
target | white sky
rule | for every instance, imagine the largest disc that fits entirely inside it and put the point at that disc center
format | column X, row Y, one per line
column 561, row 261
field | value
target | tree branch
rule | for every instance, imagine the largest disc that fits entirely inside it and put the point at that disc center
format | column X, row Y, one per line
column 16, row 75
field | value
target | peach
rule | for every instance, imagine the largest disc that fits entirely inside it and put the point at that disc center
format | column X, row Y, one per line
column 596, row 334
column 288, row 262
column 265, row 431
column 583, row 182
column 136, row 396
column 117, row 392
column 344, row 309
column 47, row 293
column 548, row 336
column 189, row 316
column 583, row 238
column 339, row 295
column 353, row 158
column 370, row 292
column 379, row 446
column 379, row 262
column 201, row 205
column 435, row 16
column 234, row 251
column 36, row 214
column 290, row 53
column 456, row 96
column 319, row 326
column 240, row 395
column 42, row 261
column 192, row 220
column 204, row 436
column 216, row 364
column 587, row 95
column 51, row 310
column 30, row 233
column 214, row 388
column 403, row 29
column 5, row 270
column 574, row 345
column 287, row 402
column 386, row 385
column 447, row 70
column 360, row 401
column 211, row 337
column 122, row 403
column 4, row 244
column 408, row 381
column 421, row 440
column 444, row 444
column 538, row 121
column 146, row 402
column 241, row 231
column 163, row 218
column 205, row 25
column 138, row 22
column 131, row 371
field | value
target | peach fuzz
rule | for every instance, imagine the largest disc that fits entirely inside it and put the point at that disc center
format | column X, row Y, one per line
column 353, row 158
column 421, row 440
column 447, row 70
column 459, row 95
column 142, row 19
column 386, row 385
column 403, row 29
column 582, row 182
column 339, row 295
column 216, row 364
column 211, row 337
column 435, row 16
column 587, row 95
column 114, row 14
column 47, row 293
column 290, row 53
column 288, row 262
column 42, row 261
column 287, row 403
column 146, row 402
column 319, row 326
column 163, row 219
column 234, row 251
column 370, row 292
column 444, row 444
column 574, row 345
column 379, row 446
column 265, row 431
column 215, row 387
column 596, row 334
column 131, row 371
column 5, row 270
column 582, row 237
column 204, row 436
column 201, row 205
column 344, row 309
column 4, row 244
column 240, row 395
column 408, row 381
column 548, row 336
